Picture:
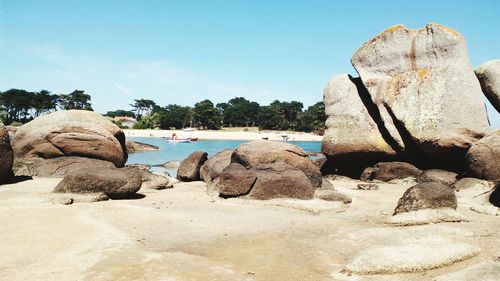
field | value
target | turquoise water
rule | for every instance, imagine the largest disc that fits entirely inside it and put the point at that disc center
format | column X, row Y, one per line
column 179, row 151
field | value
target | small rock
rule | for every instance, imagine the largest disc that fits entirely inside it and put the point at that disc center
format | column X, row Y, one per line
column 135, row 146
column 171, row 165
column 436, row 175
column 470, row 183
column 368, row 186
column 386, row 171
column 332, row 195
column 428, row 195
column 139, row 166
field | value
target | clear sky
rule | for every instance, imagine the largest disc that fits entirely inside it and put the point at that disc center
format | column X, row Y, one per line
column 185, row 51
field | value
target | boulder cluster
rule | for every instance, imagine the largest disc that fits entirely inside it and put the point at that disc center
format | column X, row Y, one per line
column 84, row 148
column 417, row 99
column 57, row 143
column 259, row 170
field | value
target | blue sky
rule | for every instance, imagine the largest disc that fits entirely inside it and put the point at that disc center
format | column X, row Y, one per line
column 186, row 51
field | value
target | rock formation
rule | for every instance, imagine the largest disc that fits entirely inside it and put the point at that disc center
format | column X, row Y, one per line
column 113, row 182
column 404, row 105
column 488, row 74
column 51, row 142
column 352, row 134
column 135, row 146
column 436, row 175
column 189, row 170
column 214, row 165
column 387, row 171
column 263, row 170
column 280, row 180
column 428, row 195
column 235, row 180
column 267, row 152
column 483, row 158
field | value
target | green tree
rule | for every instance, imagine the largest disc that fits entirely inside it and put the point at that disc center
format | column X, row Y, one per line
column 43, row 102
column 206, row 115
column 289, row 112
column 175, row 116
column 269, row 119
column 149, row 121
column 75, row 100
column 142, row 107
column 313, row 119
column 239, row 112
column 120, row 113
column 17, row 105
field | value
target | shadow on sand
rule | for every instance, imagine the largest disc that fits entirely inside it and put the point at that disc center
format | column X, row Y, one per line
column 17, row 179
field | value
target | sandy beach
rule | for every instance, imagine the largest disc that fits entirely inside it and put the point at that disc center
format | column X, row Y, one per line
column 185, row 234
column 226, row 135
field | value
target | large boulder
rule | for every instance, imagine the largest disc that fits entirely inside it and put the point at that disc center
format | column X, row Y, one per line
column 413, row 84
column 212, row 168
column 352, row 139
column 260, row 152
column 436, row 175
column 483, row 158
column 488, row 74
column 189, row 170
column 332, row 195
column 387, row 171
column 113, row 182
column 57, row 167
column 264, row 182
column 236, row 180
column 280, row 180
column 72, row 133
column 6, row 158
column 428, row 195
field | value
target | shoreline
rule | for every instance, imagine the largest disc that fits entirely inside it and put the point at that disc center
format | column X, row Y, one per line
column 224, row 135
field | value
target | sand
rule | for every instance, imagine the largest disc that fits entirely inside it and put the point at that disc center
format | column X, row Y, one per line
column 184, row 234
column 226, row 134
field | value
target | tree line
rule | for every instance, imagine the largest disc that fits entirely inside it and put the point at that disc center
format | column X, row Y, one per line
column 21, row 106
column 237, row 112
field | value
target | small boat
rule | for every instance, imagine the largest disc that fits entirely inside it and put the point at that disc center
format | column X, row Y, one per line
column 194, row 139
column 177, row 140
column 174, row 139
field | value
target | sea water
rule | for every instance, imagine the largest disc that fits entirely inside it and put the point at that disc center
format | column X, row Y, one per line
column 178, row 151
